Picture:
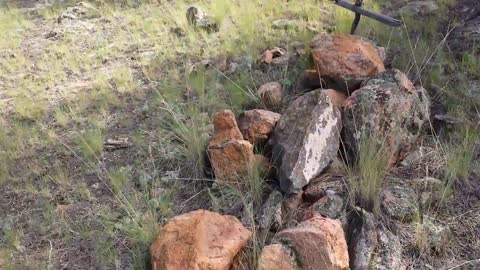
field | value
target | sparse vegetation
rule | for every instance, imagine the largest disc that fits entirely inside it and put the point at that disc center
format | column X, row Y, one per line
column 138, row 70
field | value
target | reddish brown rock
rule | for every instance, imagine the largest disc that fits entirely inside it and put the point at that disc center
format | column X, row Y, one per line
column 256, row 125
column 230, row 155
column 231, row 159
column 276, row 257
column 271, row 94
column 337, row 97
column 319, row 244
column 225, row 128
column 199, row 240
column 344, row 61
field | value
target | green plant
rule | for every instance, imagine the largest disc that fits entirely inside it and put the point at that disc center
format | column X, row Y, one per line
column 366, row 174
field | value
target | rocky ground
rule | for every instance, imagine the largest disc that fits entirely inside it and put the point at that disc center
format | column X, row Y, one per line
column 238, row 135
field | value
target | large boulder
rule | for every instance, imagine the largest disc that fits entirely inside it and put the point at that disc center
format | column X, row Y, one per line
column 229, row 154
column 200, row 240
column 256, row 125
column 305, row 140
column 344, row 61
column 319, row 243
column 389, row 110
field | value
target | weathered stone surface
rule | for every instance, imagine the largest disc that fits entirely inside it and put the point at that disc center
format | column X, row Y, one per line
column 399, row 201
column 389, row 252
column 362, row 239
column 305, row 140
column 389, row 110
column 198, row 240
column 344, row 61
column 419, row 8
column 320, row 186
column 438, row 235
column 271, row 95
column 277, row 257
column 257, row 125
column 200, row 19
column 81, row 11
column 229, row 154
column 330, row 206
column 283, row 24
column 231, row 159
column 319, row 243
column 270, row 216
column 225, row 128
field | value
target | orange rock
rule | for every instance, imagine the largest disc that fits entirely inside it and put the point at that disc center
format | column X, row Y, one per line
column 225, row 127
column 199, row 240
column 337, row 97
column 276, row 257
column 271, row 94
column 344, row 61
column 229, row 154
column 231, row 159
column 256, row 125
column 319, row 243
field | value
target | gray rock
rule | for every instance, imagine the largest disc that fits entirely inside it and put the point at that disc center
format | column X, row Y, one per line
column 399, row 202
column 389, row 252
column 330, row 206
column 270, row 216
column 388, row 109
column 438, row 235
column 305, row 140
column 283, row 24
column 200, row 19
column 419, row 8
column 363, row 239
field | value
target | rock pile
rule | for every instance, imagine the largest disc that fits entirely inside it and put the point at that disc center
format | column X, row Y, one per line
column 307, row 221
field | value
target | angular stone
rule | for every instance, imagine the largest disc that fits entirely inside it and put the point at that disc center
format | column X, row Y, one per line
column 362, row 234
column 271, row 95
column 198, row 240
column 225, row 128
column 399, row 202
column 389, row 252
column 330, row 206
column 277, row 257
column 230, row 155
column 419, row 8
column 257, row 125
column 305, row 140
column 344, row 61
column 319, row 243
column 389, row 110
column 319, row 187
column 270, row 216
column 231, row 159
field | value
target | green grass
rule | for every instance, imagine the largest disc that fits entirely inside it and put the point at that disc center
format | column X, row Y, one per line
column 366, row 174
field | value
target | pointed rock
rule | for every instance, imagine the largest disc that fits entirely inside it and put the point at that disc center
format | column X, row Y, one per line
column 305, row 140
